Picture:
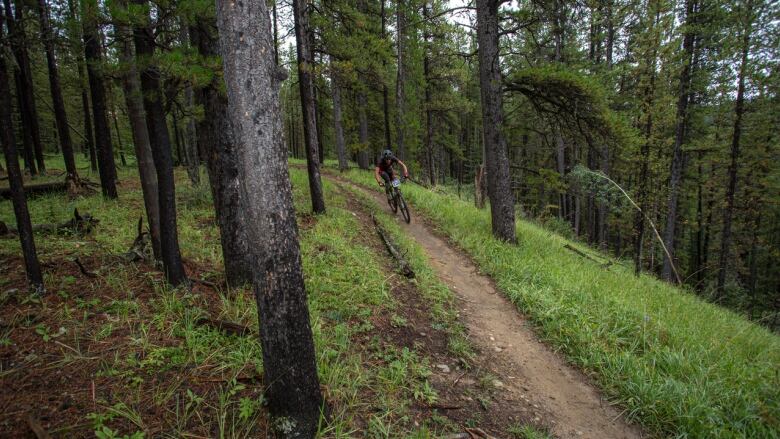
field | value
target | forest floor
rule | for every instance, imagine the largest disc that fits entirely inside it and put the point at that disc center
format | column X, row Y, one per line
column 111, row 351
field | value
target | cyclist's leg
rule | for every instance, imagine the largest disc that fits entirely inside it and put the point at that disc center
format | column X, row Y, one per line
column 387, row 180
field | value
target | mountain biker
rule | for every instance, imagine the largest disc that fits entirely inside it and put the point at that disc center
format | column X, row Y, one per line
column 384, row 168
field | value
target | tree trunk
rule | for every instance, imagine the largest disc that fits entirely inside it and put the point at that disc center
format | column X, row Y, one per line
column 160, row 143
column 428, row 113
column 731, row 189
column 306, row 84
column 26, row 96
column 143, row 151
column 337, row 124
column 681, row 125
column 400, row 96
column 190, row 132
column 216, row 139
column 63, row 129
column 23, row 223
column 253, row 80
column 649, row 98
column 88, row 147
column 92, row 53
column 363, row 154
column 502, row 207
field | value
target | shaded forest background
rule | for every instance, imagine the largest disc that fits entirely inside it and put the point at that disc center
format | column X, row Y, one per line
column 676, row 102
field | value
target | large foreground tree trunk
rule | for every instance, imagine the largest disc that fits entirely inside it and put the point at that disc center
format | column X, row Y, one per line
column 216, row 139
column 253, row 81
column 502, row 208
column 92, row 53
column 23, row 223
column 131, row 85
column 61, row 117
column 308, row 105
column 160, row 142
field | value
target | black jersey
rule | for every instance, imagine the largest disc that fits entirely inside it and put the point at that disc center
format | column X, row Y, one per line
column 385, row 167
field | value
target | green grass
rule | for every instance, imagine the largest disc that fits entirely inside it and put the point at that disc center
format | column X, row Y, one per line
column 678, row 365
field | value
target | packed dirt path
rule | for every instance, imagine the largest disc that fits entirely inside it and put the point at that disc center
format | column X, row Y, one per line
column 572, row 406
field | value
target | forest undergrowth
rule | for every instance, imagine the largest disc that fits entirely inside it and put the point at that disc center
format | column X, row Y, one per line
column 112, row 351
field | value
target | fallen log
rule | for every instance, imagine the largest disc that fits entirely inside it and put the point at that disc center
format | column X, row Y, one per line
column 223, row 325
column 37, row 189
column 604, row 265
column 406, row 268
column 78, row 225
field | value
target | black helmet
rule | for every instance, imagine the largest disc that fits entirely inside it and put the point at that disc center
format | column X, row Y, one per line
column 387, row 154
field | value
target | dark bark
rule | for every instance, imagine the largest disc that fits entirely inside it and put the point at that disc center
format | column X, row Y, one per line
column 502, row 207
column 24, row 225
column 428, row 103
column 30, row 126
column 216, row 140
column 649, row 99
column 160, row 143
column 681, row 126
column 253, row 80
column 400, row 95
column 56, row 93
column 88, row 147
column 190, row 131
column 337, row 124
column 363, row 154
column 731, row 189
column 136, row 114
column 306, row 84
column 92, row 54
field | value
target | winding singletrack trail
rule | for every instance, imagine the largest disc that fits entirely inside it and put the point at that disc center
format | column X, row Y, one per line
column 572, row 407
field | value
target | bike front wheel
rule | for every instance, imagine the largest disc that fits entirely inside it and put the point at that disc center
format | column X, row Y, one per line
column 404, row 208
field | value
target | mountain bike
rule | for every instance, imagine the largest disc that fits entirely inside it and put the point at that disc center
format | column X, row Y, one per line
column 396, row 200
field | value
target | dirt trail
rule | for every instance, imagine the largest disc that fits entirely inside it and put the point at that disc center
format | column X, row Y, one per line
column 527, row 367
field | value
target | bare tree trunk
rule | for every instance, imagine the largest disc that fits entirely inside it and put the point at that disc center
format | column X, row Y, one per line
column 681, row 125
column 400, row 96
column 160, row 143
column 502, row 207
column 92, row 53
column 337, row 124
column 217, row 141
column 23, row 223
column 58, row 102
column 24, row 85
column 428, row 103
column 363, row 154
column 253, row 81
column 649, row 98
column 190, row 132
column 306, row 84
column 143, row 151
column 731, row 189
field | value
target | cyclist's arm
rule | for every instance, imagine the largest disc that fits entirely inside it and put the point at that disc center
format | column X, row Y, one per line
column 406, row 171
column 376, row 176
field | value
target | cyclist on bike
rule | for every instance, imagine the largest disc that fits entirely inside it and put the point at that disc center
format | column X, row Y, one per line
column 384, row 168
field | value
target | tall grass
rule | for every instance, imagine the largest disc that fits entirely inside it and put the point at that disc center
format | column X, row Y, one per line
column 678, row 365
